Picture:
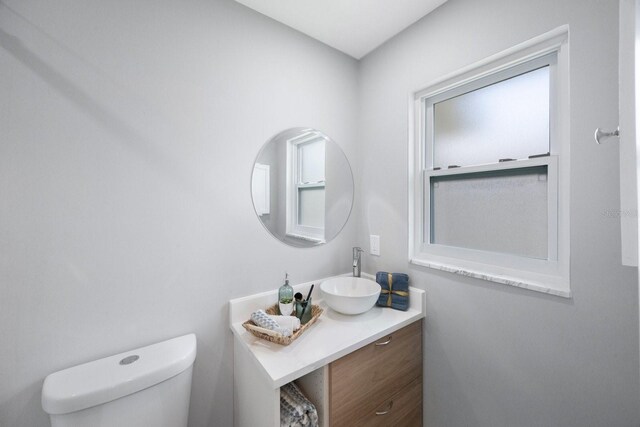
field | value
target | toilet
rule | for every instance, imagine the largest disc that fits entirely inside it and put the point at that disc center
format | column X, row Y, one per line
column 148, row 386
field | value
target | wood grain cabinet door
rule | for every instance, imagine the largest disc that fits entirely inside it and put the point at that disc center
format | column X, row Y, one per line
column 363, row 383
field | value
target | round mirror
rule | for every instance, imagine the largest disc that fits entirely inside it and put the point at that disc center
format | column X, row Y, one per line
column 302, row 187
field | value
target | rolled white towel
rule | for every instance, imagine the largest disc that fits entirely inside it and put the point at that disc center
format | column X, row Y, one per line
column 288, row 322
column 261, row 319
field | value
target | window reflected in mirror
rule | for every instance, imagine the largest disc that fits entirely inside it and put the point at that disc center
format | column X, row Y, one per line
column 306, row 190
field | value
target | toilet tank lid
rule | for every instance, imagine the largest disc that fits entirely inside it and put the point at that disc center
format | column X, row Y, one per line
column 107, row 379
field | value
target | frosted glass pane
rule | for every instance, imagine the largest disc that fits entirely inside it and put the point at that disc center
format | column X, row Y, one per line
column 508, row 119
column 311, row 207
column 311, row 161
column 501, row 211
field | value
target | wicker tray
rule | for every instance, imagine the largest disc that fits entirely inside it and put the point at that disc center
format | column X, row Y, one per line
column 316, row 311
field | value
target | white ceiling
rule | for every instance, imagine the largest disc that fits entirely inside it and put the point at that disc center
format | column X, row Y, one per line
column 355, row 27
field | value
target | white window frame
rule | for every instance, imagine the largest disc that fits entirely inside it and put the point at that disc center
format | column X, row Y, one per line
column 629, row 55
column 551, row 275
column 294, row 183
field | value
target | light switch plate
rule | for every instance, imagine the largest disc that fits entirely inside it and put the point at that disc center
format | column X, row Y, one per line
column 374, row 244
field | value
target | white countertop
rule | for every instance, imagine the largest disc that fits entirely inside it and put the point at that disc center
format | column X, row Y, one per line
column 332, row 336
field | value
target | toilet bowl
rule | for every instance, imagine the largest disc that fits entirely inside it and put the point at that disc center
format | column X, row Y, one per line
column 149, row 386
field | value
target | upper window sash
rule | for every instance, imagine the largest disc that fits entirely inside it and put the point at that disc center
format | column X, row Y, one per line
column 429, row 100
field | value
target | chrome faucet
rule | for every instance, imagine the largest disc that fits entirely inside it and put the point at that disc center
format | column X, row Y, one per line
column 356, row 261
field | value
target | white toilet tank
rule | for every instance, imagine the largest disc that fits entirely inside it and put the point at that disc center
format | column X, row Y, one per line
column 149, row 386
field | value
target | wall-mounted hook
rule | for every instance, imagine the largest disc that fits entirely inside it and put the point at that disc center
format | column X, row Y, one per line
column 600, row 134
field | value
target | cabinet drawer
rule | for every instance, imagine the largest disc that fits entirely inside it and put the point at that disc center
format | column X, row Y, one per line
column 364, row 380
column 404, row 409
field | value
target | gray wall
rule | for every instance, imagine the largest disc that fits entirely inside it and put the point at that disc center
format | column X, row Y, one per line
column 128, row 132
column 497, row 355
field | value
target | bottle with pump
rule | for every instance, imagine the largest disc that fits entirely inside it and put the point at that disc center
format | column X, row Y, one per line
column 285, row 297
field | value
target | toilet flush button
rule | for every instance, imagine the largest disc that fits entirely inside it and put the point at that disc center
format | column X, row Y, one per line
column 129, row 359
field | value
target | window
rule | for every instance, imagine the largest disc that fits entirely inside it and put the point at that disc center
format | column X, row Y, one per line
column 489, row 172
column 306, row 186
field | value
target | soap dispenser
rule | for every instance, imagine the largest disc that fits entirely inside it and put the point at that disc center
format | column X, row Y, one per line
column 285, row 297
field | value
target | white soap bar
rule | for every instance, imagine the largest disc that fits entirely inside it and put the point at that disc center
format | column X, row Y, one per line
column 287, row 322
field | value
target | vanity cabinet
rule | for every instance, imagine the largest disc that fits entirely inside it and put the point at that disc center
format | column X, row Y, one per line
column 379, row 384
column 363, row 370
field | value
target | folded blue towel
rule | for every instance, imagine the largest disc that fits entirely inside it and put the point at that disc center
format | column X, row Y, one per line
column 395, row 290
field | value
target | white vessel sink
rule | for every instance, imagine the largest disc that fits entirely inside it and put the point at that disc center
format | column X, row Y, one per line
column 350, row 295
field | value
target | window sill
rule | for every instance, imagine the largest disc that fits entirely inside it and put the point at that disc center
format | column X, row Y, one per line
column 532, row 286
column 306, row 238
